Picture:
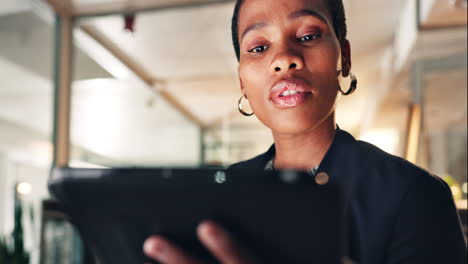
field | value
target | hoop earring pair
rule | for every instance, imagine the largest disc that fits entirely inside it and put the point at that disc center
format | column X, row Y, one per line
column 352, row 87
column 239, row 106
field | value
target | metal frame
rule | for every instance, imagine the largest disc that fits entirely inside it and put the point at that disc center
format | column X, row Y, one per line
column 63, row 62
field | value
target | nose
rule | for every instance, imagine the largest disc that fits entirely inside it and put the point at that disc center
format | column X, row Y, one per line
column 287, row 59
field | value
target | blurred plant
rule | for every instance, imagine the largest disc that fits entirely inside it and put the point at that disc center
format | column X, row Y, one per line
column 15, row 254
column 4, row 253
column 20, row 255
column 454, row 186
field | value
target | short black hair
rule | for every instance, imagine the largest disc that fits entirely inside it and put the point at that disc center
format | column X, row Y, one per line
column 335, row 8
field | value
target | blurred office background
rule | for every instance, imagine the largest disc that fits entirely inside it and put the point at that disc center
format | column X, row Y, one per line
column 154, row 83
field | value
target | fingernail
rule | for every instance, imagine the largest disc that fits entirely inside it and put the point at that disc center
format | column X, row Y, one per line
column 207, row 229
column 212, row 232
column 153, row 248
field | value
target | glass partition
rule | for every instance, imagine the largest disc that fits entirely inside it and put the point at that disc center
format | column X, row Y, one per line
column 445, row 126
column 26, row 57
column 124, row 123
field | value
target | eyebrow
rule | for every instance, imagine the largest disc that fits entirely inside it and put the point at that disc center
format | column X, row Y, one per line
column 255, row 26
column 308, row 12
column 293, row 15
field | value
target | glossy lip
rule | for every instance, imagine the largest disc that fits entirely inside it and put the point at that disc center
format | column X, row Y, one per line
column 293, row 84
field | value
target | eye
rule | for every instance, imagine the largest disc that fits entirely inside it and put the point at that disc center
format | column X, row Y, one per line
column 308, row 38
column 259, row 49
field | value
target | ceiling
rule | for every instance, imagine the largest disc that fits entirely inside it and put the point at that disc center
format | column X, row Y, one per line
column 199, row 65
column 189, row 49
column 10, row 6
column 25, row 33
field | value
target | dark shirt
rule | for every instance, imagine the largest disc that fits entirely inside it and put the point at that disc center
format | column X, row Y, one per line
column 396, row 212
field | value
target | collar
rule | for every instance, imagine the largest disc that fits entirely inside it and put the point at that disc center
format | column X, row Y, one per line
column 271, row 166
column 339, row 163
column 341, row 160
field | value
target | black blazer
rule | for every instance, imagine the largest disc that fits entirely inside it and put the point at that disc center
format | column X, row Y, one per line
column 396, row 211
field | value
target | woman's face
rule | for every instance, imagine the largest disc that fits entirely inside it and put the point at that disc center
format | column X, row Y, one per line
column 289, row 57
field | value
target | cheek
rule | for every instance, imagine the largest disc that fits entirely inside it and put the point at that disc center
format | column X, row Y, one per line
column 324, row 59
column 254, row 84
column 322, row 65
column 253, row 81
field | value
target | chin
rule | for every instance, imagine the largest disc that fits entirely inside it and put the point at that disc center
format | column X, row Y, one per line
column 296, row 120
column 292, row 129
column 294, row 124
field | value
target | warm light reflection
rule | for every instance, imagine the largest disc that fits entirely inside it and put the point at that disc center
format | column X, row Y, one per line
column 24, row 188
column 41, row 153
column 456, row 191
column 464, row 188
column 100, row 114
column 386, row 139
column 37, row 154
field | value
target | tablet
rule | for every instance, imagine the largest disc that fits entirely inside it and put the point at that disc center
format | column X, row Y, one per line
column 279, row 216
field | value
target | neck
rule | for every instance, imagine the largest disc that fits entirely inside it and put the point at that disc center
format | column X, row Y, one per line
column 304, row 150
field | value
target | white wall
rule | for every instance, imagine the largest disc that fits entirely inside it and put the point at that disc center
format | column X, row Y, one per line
column 11, row 172
column 3, row 192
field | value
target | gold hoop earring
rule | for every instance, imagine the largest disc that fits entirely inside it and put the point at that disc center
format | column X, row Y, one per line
column 239, row 106
column 352, row 87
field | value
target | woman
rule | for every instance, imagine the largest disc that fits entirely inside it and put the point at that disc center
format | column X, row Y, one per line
column 291, row 55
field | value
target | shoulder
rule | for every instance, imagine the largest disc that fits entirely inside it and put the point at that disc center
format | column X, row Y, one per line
column 389, row 178
column 413, row 205
column 395, row 171
column 381, row 159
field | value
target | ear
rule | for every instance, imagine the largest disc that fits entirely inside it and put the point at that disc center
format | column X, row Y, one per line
column 241, row 83
column 346, row 58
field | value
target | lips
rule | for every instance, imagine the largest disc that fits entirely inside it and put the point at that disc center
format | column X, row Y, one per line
column 290, row 92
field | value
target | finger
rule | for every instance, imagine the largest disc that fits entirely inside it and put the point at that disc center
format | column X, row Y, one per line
column 164, row 251
column 221, row 244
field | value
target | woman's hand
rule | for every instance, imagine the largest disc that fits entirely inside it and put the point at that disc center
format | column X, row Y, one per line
column 214, row 238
